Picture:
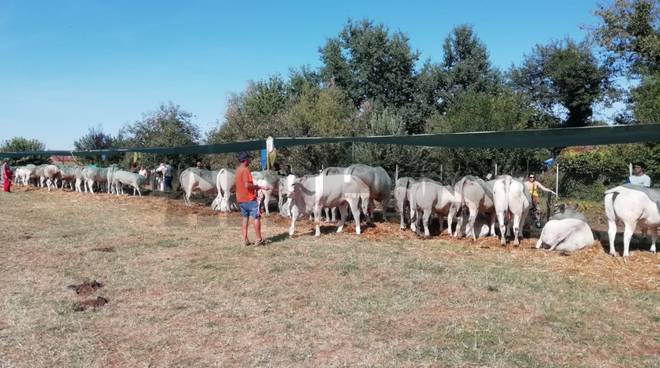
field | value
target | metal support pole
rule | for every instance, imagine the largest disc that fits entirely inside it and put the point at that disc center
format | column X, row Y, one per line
column 557, row 180
column 496, row 169
column 396, row 174
column 441, row 172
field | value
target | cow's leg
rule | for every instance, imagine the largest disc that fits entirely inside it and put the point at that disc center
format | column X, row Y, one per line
column 516, row 228
column 539, row 242
column 460, row 219
column 426, row 217
column 413, row 218
column 343, row 213
column 317, row 219
column 628, row 230
column 402, row 225
column 654, row 236
column 474, row 211
column 384, row 203
column 493, row 218
column 450, row 218
column 333, row 214
column 267, row 194
column 500, row 220
column 611, row 233
column 355, row 210
column 294, row 215
column 326, row 210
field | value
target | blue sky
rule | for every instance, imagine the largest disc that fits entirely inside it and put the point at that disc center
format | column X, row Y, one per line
column 66, row 66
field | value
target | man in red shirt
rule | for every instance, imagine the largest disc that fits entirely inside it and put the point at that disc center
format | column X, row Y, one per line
column 6, row 176
column 247, row 199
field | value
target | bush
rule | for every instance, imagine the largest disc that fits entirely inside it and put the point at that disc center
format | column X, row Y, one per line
column 586, row 174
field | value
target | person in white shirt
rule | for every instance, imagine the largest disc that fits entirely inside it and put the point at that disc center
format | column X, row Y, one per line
column 639, row 177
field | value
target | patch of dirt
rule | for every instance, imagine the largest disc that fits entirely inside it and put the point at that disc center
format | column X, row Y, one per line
column 93, row 303
column 104, row 249
column 86, row 288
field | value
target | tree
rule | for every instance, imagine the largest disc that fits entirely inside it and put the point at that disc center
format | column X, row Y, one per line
column 168, row 126
column 21, row 144
column 371, row 65
column 645, row 100
column 465, row 65
column 564, row 74
column 255, row 113
column 488, row 111
column 94, row 139
column 630, row 34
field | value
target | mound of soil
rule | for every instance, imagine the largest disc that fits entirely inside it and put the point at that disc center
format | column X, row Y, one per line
column 94, row 303
column 86, row 288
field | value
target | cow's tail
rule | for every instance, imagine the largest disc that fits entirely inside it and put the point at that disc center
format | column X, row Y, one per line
column 507, row 188
column 610, row 196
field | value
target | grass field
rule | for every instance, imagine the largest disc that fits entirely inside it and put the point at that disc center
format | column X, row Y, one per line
column 182, row 291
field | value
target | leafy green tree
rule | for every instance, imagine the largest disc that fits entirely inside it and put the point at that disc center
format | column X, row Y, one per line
column 465, row 65
column 646, row 100
column 168, row 126
column 630, row 33
column 489, row 111
column 21, row 144
column 371, row 64
column 94, row 139
column 255, row 113
column 564, row 74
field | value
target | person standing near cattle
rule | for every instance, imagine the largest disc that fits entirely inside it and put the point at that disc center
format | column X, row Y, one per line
column 638, row 177
column 6, row 176
column 533, row 187
column 246, row 197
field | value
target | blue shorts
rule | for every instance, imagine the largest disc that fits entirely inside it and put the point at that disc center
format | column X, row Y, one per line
column 249, row 209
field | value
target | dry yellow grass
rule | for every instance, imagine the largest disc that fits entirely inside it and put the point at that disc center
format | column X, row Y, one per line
column 182, row 291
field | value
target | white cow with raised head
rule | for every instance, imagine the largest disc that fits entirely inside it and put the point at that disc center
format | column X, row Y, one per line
column 632, row 205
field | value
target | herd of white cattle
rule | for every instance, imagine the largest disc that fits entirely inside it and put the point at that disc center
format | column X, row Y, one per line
column 476, row 205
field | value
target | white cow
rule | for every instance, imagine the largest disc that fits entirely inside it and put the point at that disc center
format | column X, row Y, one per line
column 631, row 205
column 197, row 180
column 40, row 176
column 477, row 196
column 426, row 197
column 312, row 194
column 226, row 185
column 78, row 173
column 269, row 184
column 68, row 175
column 93, row 174
column 567, row 231
column 52, row 174
column 511, row 200
column 401, row 196
column 121, row 178
column 379, row 182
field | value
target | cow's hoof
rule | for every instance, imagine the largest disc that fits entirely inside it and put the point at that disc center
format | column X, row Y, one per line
column 613, row 254
column 340, row 229
column 358, row 231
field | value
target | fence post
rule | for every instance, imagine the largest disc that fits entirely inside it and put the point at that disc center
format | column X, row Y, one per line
column 557, row 180
column 441, row 173
column 496, row 169
column 396, row 174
